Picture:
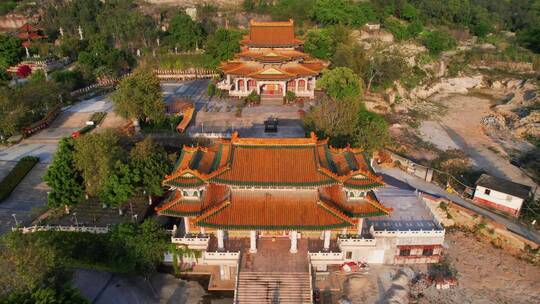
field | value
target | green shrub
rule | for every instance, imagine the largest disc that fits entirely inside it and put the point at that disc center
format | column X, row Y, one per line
column 252, row 98
column 291, row 96
column 15, row 176
column 437, row 42
column 414, row 78
column 98, row 117
column 86, row 129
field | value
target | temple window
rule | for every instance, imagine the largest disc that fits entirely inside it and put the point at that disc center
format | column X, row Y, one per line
column 301, row 85
column 404, row 252
column 348, row 255
column 185, row 193
column 427, row 252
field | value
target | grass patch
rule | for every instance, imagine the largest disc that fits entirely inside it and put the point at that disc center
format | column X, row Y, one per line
column 16, row 175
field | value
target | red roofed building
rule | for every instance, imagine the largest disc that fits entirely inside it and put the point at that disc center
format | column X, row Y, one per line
column 240, row 196
column 29, row 33
column 271, row 63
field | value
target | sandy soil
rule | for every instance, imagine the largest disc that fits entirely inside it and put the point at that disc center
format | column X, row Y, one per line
column 461, row 127
column 486, row 275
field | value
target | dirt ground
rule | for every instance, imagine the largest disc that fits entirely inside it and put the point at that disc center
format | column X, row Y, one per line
column 460, row 127
column 486, row 274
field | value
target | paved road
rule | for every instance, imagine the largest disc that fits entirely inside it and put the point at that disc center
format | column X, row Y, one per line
column 399, row 178
column 30, row 195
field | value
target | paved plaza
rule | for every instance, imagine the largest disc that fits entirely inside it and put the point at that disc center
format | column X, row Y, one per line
column 216, row 117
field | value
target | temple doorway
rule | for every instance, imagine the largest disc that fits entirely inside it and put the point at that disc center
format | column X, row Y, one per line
column 271, row 89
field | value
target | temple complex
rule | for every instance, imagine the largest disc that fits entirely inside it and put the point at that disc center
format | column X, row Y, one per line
column 270, row 63
column 291, row 205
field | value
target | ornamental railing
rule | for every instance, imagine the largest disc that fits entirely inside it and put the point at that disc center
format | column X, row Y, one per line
column 351, row 240
column 218, row 255
column 405, row 233
column 33, row 229
column 237, row 280
column 325, row 256
column 192, row 241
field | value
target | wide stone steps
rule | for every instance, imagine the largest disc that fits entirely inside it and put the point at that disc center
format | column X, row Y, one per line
column 271, row 100
column 273, row 287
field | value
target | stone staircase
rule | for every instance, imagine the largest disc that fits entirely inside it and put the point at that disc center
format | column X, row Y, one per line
column 271, row 100
column 273, row 288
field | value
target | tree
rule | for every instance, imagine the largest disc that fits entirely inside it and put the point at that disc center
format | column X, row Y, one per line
column 222, row 45
column 99, row 55
column 530, row 38
column 26, row 264
column 139, row 97
column 65, row 181
column 95, row 157
column 319, row 44
column 299, row 10
column 47, row 295
column 346, row 122
column 40, row 95
column 382, row 71
column 335, row 119
column 11, row 51
column 138, row 248
column 437, row 41
column 332, row 12
column 371, row 132
column 149, row 164
column 340, row 82
column 118, row 187
column 353, row 57
column 12, row 112
column 185, row 33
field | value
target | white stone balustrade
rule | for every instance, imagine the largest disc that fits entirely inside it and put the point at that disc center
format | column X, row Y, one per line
column 32, row 229
column 326, row 256
column 348, row 240
column 390, row 233
column 193, row 242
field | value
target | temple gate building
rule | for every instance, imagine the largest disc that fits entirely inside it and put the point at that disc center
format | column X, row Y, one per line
column 288, row 206
column 271, row 62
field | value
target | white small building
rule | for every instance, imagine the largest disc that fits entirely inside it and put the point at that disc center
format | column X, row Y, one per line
column 501, row 194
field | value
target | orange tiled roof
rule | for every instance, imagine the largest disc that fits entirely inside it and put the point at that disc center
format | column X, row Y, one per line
column 268, row 34
column 279, row 71
column 275, row 210
column 273, row 166
column 271, row 55
column 179, row 206
column 302, row 162
column 369, row 206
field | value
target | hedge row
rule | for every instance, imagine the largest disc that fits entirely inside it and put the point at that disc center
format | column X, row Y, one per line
column 97, row 118
column 16, row 175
